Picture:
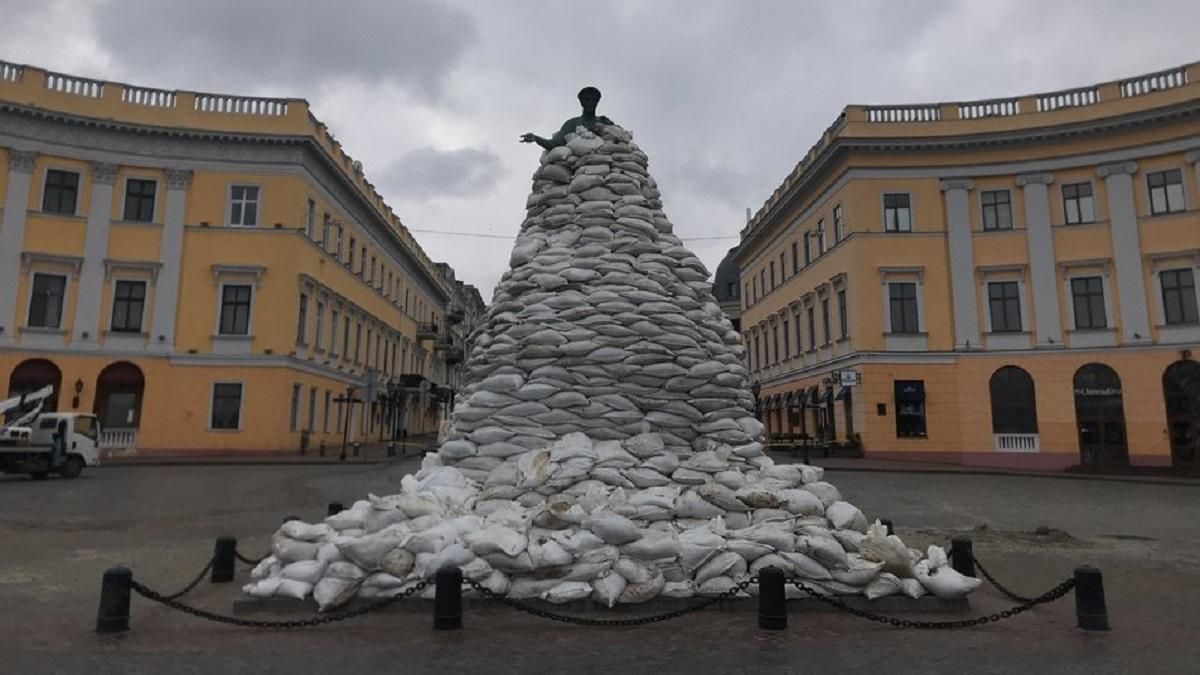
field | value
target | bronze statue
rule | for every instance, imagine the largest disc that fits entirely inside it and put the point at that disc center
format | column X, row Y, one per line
column 588, row 98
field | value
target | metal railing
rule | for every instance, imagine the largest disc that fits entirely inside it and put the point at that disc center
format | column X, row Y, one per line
column 76, row 86
column 241, row 105
column 1016, row 442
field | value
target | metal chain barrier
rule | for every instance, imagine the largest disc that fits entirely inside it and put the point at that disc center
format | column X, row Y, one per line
column 296, row 623
column 584, row 621
column 1049, row 596
column 249, row 561
column 999, row 587
column 195, row 582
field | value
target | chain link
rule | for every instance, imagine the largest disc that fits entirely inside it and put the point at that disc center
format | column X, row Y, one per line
column 999, row 587
column 585, row 621
column 249, row 561
column 197, row 580
column 1049, row 596
column 295, row 623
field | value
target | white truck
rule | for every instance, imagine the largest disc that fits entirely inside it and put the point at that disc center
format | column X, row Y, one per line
column 28, row 443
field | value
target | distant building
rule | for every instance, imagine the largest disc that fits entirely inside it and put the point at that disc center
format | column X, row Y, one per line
column 205, row 271
column 1012, row 281
column 726, row 288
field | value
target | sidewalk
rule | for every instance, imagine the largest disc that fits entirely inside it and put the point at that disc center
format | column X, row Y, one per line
column 372, row 453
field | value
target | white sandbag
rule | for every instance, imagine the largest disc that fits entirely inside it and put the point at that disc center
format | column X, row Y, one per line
column 679, row 589
column 351, row 518
column 734, row 480
column 577, row 542
column 381, row 580
column 662, row 497
column 723, row 564
column 716, row 586
column 758, row 497
column 825, row 550
column 263, row 588
column 344, row 570
column 572, row 446
column 454, row 555
column 884, row 585
column 849, row 539
column 368, row 550
column 644, row 446
column 287, row 550
column 398, row 562
column 379, row 519
column 518, row 564
column 860, row 572
column 591, row 564
column 611, row 454
column 913, row 588
column 331, row 592
column 524, row 588
column 548, row 553
column 267, row 567
column 802, row 502
column 634, row 571
column 936, row 557
column 828, row 494
column 568, row 591
column 806, row 566
column 776, row 535
column 415, row 506
column 696, row 546
column 653, row 545
column 308, row 571
column 534, row 468
column 301, row 531
column 692, row 505
column 607, row 588
column 948, row 583
column 879, row 546
column 612, row 528
column 290, row 588
column 638, row 592
column 749, row 550
column 721, row 496
column 496, row 539
column 644, row 478
column 846, row 516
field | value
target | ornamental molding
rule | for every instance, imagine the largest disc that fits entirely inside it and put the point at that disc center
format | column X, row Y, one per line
column 21, row 160
column 150, row 267
column 29, row 260
column 103, row 173
column 1193, row 157
column 1116, row 169
column 178, row 179
column 956, row 184
column 1041, row 178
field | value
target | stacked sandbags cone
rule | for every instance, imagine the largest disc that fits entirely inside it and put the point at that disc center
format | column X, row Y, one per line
column 604, row 445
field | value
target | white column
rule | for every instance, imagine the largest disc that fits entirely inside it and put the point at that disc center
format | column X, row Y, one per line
column 1127, row 251
column 962, row 262
column 166, row 288
column 86, row 324
column 1041, row 259
column 12, row 239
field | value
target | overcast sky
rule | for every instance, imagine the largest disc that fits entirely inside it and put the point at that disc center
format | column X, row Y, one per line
column 725, row 97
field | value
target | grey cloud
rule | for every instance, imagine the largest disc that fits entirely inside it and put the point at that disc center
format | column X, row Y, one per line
column 288, row 46
column 427, row 173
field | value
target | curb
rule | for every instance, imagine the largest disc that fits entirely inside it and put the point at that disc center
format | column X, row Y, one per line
column 1019, row 474
column 184, row 461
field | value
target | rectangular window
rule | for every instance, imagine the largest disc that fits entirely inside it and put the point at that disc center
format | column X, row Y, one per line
column 226, row 405
column 762, row 280
column 312, row 409
column 1166, row 191
column 362, row 261
column 825, row 320
column 843, row 321
column 754, row 285
column 910, row 408
column 310, row 219
column 1179, row 296
column 235, row 309
column 46, row 301
column 325, row 415
column 139, row 200
column 997, row 210
column 897, row 212
column 243, row 205
column 367, row 359
column 757, row 352
column 772, row 275
column 807, row 248
column 1079, row 205
column 129, row 302
column 787, row 348
column 812, row 328
column 1004, row 303
column 61, row 193
column 350, row 262
column 340, row 233
column 902, row 297
column 326, row 233
column 782, row 269
column 357, row 340
column 320, row 338
column 1088, row 296
column 799, row 337
column 821, row 237
column 302, row 323
column 775, row 342
column 346, row 338
column 294, row 417
column 795, row 259
column 839, row 224
column 333, row 326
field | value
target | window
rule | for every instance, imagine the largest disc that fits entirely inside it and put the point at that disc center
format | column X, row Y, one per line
column 757, row 353
column 46, row 302
column 997, row 210
column 787, row 348
column 362, row 261
column 350, row 263
column 235, row 309
column 902, row 299
column 782, row 269
column 745, row 297
column 302, row 324
column 357, row 340
column 310, row 219
column 243, row 205
column 910, row 408
column 61, row 193
column 799, row 337
column 839, row 224
column 795, row 259
column 139, row 200
column 821, row 237
column 1179, row 296
column 320, row 338
column 1014, row 408
column 1079, row 205
column 333, row 326
column 1166, row 191
column 825, row 320
column 775, row 342
column 754, row 285
column 1004, row 303
column 294, row 418
column 772, row 275
column 897, row 212
column 340, row 233
column 1088, row 297
column 226, row 405
column 843, row 328
column 325, row 416
column 812, row 328
column 129, row 300
column 367, row 356
column 346, row 338
column 762, row 280
column 312, row 409
column 807, row 248
column 326, row 232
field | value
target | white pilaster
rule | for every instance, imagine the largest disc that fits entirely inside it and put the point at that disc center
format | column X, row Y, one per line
column 1127, row 251
column 962, row 262
column 1041, row 259
column 86, row 325
column 12, row 239
column 166, row 290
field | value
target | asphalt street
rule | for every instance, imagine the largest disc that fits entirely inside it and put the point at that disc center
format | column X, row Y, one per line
column 59, row 536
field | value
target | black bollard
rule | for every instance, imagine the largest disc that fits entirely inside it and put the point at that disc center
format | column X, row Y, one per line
column 224, row 559
column 356, row 446
column 113, row 614
column 447, row 599
column 772, row 601
column 1090, row 609
column 321, row 449
column 888, row 525
column 334, row 508
column 962, row 559
column 391, row 449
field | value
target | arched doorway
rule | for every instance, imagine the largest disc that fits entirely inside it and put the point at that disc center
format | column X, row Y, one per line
column 32, row 375
column 119, row 390
column 1100, row 416
column 1181, row 388
column 1014, row 410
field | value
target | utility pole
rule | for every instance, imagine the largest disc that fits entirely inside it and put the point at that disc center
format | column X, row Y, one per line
column 349, row 400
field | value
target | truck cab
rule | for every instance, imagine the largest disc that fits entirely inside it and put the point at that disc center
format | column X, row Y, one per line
column 31, row 453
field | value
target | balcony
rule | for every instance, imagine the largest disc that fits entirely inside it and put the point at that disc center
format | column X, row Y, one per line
column 1016, row 442
column 455, row 315
column 427, row 331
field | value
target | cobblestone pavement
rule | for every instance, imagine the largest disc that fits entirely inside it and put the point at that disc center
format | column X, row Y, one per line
column 59, row 536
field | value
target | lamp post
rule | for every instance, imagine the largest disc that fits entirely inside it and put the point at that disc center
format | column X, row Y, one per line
column 78, row 391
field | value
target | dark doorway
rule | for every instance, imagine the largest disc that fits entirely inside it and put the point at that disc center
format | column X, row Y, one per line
column 1181, row 388
column 1100, row 417
column 119, row 389
column 32, row 375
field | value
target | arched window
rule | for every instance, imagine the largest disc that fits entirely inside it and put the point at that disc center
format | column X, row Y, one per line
column 1100, row 416
column 1014, row 407
column 32, row 375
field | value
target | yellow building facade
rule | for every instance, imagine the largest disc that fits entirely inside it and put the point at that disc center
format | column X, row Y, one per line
column 1008, row 283
column 208, row 273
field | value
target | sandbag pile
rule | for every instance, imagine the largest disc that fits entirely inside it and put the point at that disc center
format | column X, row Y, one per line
column 604, row 445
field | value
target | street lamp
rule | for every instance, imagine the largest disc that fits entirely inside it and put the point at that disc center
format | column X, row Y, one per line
column 78, row 391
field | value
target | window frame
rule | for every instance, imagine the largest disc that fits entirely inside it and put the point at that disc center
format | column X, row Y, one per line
column 923, row 413
column 843, row 311
column 1004, row 302
column 62, row 301
column 229, row 202
column 1091, row 196
column 294, row 409
column 1163, row 290
column 221, row 309
column 1182, row 207
column 302, row 321
column 112, row 314
column 839, row 224
column 77, row 188
column 995, row 205
column 903, row 317
column 310, row 219
column 212, row 405
column 1090, row 297
column 153, row 199
column 820, row 233
column 883, row 200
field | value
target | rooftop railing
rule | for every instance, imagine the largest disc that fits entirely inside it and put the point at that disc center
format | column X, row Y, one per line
column 1068, row 98
column 76, row 86
column 243, row 105
column 1152, row 82
column 155, row 98
column 904, row 113
column 996, row 107
column 11, row 72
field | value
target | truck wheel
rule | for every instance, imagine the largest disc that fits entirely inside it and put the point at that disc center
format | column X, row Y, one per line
column 72, row 467
column 40, row 475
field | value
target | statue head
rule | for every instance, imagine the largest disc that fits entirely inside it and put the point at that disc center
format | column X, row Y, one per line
column 589, row 97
